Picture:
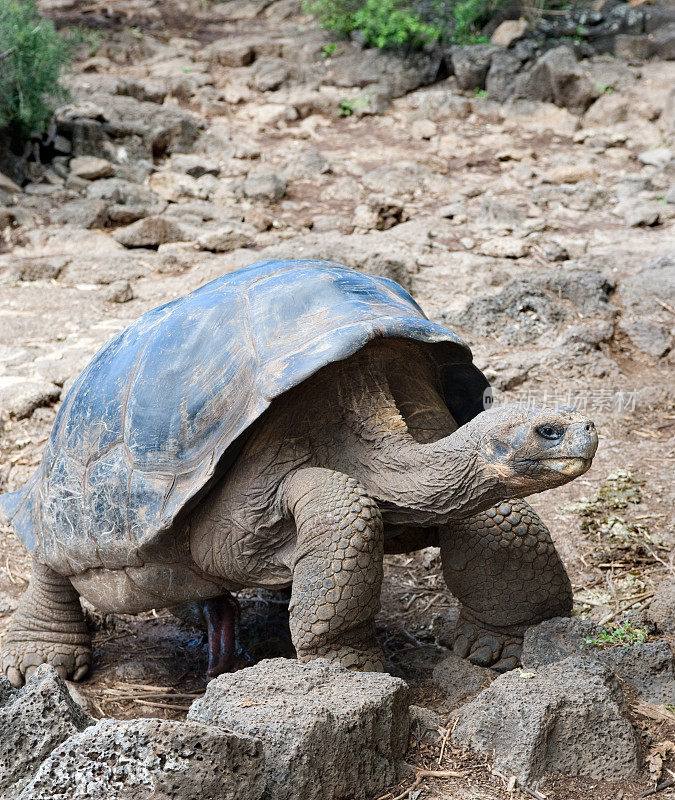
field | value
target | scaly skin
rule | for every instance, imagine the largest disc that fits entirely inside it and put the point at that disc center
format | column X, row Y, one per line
column 48, row 627
column 337, row 569
column 504, row 569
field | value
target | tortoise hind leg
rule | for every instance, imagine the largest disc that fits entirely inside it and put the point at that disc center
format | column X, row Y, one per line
column 48, row 627
column 504, row 569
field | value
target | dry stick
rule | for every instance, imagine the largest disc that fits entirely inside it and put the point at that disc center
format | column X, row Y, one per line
column 170, row 706
column 659, row 788
column 533, row 793
column 665, row 305
column 448, row 733
column 427, row 773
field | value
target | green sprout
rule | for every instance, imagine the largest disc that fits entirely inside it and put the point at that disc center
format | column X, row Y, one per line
column 624, row 635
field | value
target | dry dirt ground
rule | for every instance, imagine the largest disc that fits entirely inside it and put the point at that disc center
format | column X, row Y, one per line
column 542, row 184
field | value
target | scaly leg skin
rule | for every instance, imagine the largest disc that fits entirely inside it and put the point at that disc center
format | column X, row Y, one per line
column 337, row 569
column 502, row 566
column 48, row 627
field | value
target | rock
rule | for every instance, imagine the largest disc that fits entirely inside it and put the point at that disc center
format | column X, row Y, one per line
column 20, row 397
column 460, row 679
column 638, row 213
column 423, row 129
column 379, row 213
column 609, row 109
column 662, row 608
column 118, row 292
column 569, row 173
column 509, row 32
column 195, row 165
column 633, row 47
column 657, row 157
column 40, row 268
column 648, row 335
column 656, row 281
column 556, row 76
column 264, row 186
column 663, row 43
column 425, row 724
column 569, row 717
column 81, row 213
column 151, row 232
column 500, row 79
column 417, row 664
column 328, row 733
column 504, row 247
column 175, row 186
column 268, row 74
column 229, row 52
column 33, row 721
column 8, row 185
column 90, row 168
column 150, row 759
column 226, row 237
column 647, row 666
column 588, row 289
column 470, row 64
column 308, row 164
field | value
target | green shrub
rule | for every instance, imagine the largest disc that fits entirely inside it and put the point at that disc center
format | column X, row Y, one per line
column 469, row 17
column 382, row 23
column 32, row 55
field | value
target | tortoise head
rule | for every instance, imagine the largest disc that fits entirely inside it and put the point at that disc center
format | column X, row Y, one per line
column 533, row 449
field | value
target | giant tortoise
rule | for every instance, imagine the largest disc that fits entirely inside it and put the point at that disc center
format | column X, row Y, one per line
column 284, row 426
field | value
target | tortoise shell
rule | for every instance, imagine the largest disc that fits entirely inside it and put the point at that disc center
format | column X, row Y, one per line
column 163, row 409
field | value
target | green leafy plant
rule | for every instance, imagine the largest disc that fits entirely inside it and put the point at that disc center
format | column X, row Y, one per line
column 382, row 23
column 480, row 93
column 328, row 50
column 623, row 635
column 469, row 16
column 349, row 105
column 32, row 56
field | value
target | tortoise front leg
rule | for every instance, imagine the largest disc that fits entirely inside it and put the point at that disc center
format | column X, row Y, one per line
column 48, row 627
column 504, row 569
column 337, row 569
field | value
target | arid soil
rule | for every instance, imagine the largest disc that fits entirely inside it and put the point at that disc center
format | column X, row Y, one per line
column 546, row 239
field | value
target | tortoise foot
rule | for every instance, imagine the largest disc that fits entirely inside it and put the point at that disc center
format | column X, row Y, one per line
column 366, row 660
column 21, row 657
column 484, row 646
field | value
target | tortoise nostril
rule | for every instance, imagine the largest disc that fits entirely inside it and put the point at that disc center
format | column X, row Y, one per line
column 589, row 426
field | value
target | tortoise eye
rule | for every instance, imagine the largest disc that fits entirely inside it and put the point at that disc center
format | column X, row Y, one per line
column 550, row 431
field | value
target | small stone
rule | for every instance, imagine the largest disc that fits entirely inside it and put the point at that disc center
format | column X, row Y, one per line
column 327, row 732
column 648, row 335
column 658, row 157
column 569, row 173
column 509, row 32
column 264, row 186
column 570, row 717
column 37, row 269
column 423, row 129
column 118, row 292
column 90, row 168
column 150, row 759
column 175, row 186
column 195, row 165
column 504, row 247
column 19, row 397
column 225, row 238
column 33, row 721
column 81, row 213
column 637, row 213
column 151, row 232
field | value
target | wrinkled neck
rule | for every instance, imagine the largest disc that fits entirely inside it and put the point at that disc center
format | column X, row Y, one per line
column 429, row 484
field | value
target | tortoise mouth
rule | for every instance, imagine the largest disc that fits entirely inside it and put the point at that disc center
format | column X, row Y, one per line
column 568, row 465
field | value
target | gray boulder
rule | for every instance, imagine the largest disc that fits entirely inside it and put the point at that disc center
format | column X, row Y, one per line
column 501, row 77
column 557, row 77
column 328, row 733
column 647, row 666
column 33, row 721
column 471, row 64
column 569, row 717
column 151, row 759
